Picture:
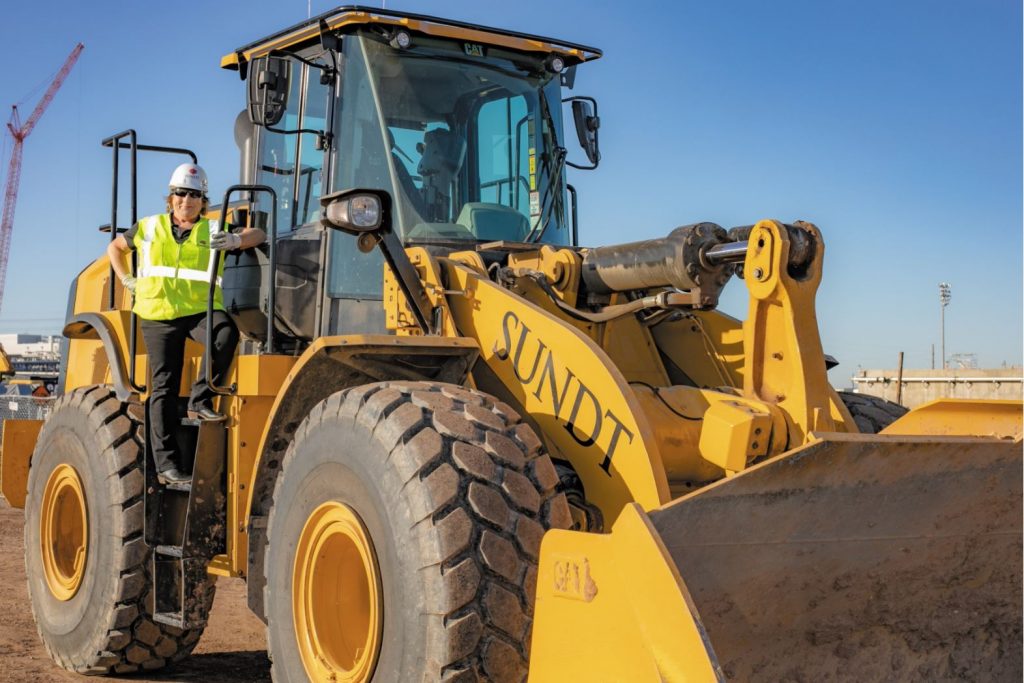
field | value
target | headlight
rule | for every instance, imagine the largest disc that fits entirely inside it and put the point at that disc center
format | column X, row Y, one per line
column 401, row 40
column 358, row 213
column 364, row 211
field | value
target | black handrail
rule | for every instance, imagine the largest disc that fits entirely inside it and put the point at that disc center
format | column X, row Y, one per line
column 114, row 142
column 150, row 148
column 271, row 296
column 575, row 209
column 113, row 201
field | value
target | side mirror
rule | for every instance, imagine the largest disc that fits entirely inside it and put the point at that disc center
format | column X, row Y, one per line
column 356, row 211
column 587, row 122
column 367, row 215
column 268, row 90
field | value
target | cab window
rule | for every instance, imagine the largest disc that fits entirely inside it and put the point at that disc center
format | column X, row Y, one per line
column 277, row 155
column 506, row 161
column 291, row 163
column 311, row 159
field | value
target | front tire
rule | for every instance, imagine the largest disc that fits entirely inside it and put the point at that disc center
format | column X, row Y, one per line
column 85, row 556
column 428, row 501
column 871, row 413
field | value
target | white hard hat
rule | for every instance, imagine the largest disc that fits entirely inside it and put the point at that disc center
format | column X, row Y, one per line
column 190, row 177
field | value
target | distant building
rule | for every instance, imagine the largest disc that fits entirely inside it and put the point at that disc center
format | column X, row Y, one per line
column 35, row 360
column 922, row 386
column 34, row 345
column 963, row 360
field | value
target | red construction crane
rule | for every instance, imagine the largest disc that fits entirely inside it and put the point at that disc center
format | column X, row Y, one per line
column 19, row 132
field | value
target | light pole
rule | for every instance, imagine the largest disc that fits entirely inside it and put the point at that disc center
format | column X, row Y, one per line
column 944, row 296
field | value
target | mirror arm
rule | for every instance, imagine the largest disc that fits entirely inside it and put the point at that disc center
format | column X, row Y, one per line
column 326, row 68
column 324, row 138
column 407, row 278
column 243, row 66
column 311, row 131
column 328, row 40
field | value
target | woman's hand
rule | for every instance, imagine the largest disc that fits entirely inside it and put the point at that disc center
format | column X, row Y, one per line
column 225, row 241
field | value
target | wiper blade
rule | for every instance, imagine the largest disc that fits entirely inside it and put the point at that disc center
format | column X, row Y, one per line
column 548, row 209
column 553, row 165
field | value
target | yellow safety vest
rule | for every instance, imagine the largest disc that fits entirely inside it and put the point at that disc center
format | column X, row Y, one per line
column 174, row 279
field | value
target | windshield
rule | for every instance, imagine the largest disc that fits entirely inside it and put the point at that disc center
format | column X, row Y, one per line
column 465, row 137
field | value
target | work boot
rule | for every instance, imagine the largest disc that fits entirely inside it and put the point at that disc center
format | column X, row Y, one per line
column 206, row 414
column 173, row 475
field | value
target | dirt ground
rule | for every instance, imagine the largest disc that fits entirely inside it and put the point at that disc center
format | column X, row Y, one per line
column 232, row 649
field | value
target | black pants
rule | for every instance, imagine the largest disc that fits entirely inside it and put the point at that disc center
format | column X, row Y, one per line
column 165, row 344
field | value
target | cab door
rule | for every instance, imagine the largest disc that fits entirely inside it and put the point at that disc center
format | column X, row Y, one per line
column 293, row 163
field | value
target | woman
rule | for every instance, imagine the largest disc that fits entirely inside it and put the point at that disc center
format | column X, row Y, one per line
column 175, row 251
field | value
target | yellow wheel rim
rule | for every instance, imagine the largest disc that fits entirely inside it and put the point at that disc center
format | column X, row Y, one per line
column 336, row 596
column 64, row 532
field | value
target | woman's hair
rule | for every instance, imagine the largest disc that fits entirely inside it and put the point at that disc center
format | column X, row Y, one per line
column 202, row 209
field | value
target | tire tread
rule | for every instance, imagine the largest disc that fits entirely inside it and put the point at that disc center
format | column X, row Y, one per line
column 871, row 413
column 132, row 641
column 482, row 491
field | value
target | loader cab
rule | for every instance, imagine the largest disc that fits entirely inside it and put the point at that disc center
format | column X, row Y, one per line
column 466, row 137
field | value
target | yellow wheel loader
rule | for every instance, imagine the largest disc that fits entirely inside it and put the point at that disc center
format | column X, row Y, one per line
column 6, row 367
column 461, row 446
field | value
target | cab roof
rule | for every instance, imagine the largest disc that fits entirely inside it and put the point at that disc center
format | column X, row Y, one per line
column 350, row 17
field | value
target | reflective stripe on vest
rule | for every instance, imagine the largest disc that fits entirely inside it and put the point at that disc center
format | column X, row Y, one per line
column 173, row 277
column 182, row 273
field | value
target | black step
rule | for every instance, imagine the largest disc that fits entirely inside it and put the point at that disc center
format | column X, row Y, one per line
column 186, row 528
column 183, row 486
column 169, row 618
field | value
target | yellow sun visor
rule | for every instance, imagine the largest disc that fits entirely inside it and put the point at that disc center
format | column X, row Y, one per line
column 351, row 17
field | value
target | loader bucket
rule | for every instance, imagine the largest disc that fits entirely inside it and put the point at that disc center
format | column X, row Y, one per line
column 865, row 557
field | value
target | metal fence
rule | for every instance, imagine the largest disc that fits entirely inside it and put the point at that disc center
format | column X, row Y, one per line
column 19, row 407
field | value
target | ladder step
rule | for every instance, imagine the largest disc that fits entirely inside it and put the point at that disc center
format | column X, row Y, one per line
column 185, row 486
column 169, row 618
column 191, row 422
column 169, row 550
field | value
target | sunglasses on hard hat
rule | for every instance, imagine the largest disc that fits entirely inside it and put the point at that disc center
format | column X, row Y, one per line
column 194, row 194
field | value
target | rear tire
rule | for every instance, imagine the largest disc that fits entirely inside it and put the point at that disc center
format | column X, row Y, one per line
column 100, row 622
column 454, row 494
column 871, row 413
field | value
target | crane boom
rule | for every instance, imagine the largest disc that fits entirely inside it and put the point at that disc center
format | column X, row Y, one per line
column 19, row 132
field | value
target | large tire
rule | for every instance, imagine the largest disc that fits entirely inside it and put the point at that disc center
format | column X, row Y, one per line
column 104, row 627
column 454, row 493
column 871, row 413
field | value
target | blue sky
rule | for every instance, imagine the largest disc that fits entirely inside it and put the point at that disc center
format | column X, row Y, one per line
column 894, row 126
